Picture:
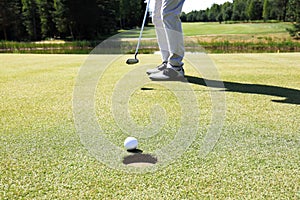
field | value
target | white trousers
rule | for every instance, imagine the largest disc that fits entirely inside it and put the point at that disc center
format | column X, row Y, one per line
column 166, row 19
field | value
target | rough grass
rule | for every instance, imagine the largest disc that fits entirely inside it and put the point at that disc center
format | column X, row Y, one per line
column 257, row 156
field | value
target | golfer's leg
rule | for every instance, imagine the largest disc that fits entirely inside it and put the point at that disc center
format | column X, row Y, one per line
column 171, row 10
column 160, row 31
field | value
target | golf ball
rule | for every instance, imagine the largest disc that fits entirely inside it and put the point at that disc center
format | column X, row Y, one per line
column 130, row 143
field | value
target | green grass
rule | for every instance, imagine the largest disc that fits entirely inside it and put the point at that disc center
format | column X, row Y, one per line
column 215, row 37
column 256, row 157
column 50, row 47
column 195, row 29
column 191, row 29
column 224, row 38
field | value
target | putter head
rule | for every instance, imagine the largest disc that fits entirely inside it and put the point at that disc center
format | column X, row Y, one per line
column 132, row 61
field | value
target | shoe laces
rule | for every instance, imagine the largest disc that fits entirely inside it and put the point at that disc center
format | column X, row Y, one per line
column 162, row 66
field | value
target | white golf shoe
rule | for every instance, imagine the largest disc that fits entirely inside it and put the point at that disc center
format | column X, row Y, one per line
column 170, row 73
column 157, row 69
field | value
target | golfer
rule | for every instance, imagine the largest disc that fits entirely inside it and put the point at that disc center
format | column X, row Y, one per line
column 166, row 19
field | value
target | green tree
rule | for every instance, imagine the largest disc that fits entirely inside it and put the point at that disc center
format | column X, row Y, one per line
column 108, row 18
column 214, row 13
column 191, row 17
column 266, row 10
column 46, row 11
column 282, row 6
column 84, row 17
column 183, row 17
column 239, row 10
column 10, row 19
column 89, row 19
column 31, row 19
column 293, row 11
column 203, row 16
column 294, row 15
column 61, row 18
column 130, row 13
column 227, row 9
column 254, row 10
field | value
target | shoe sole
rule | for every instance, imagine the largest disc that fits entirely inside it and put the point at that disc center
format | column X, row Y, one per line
column 181, row 79
column 149, row 73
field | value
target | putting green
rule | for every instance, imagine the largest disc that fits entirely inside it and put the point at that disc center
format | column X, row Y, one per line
column 256, row 157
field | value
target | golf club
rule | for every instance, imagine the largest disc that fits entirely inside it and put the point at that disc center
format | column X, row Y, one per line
column 135, row 60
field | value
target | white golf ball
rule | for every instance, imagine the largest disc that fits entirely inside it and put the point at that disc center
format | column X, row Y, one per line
column 130, row 143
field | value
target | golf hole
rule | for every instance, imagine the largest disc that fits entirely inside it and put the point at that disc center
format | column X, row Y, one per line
column 140, row 160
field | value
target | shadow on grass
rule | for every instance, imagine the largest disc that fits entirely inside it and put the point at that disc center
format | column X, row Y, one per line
column 135, row 151
column 140, row 159
column 291, row 96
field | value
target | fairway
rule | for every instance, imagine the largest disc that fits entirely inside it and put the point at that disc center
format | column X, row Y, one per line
column 225, row 38
column 192, row 29
column 256, row 157
column 200, row 29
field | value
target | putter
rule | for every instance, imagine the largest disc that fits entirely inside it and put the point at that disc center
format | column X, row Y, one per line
column 135, row 60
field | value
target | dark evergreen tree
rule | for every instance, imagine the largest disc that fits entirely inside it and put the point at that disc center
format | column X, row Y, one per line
column 46, row 11
column 294, row 15
column 92, row 19
column 203, row 16
column 227, row 9
column 62, row 18
column 183, row 17
column 254, row 10
column 282, row 6
column 108, row 18
column 31, row 19
column 214, row 13
column 10, row 20
column 131, row 13
column 266, row 10
column 239, row 10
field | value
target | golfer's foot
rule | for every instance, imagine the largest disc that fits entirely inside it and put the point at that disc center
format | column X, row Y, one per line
column 159, row 68
column 170, row 73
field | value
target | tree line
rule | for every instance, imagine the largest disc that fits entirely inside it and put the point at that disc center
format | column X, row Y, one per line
column 31, row 20
column 247, row 10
